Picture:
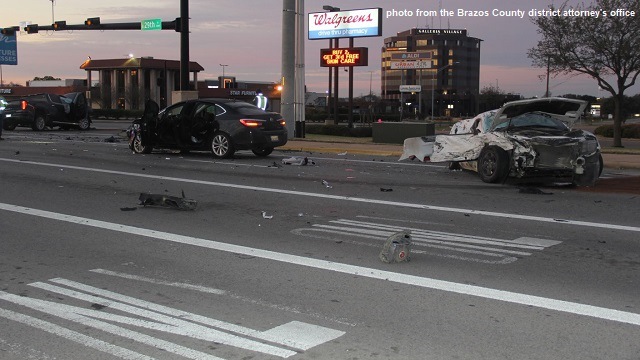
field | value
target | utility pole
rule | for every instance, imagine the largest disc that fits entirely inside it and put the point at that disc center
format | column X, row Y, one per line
column 288, row 64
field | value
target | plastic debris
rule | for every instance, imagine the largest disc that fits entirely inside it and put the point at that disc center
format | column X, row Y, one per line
column 298, row 160
column 174, row 202
column 265, row 216
column 343, row 153
column 397, row 248
column 326, row 184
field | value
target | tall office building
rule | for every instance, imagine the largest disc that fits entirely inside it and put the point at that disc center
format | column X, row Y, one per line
column 443, row 64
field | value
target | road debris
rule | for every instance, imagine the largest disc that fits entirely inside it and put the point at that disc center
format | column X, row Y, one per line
column 533, row 190
column 326, row 184
column 397, row 248
column 298, row 161
column 174, row 202
column 265, row 216
column 386, row 189
column 128, row 209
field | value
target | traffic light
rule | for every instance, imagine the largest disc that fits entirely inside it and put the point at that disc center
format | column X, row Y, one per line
column 59, row 25
column 94, row 21
column 31, row 29
column 9, row 31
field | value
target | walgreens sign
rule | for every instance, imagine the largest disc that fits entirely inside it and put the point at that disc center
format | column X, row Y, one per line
column 345, row 24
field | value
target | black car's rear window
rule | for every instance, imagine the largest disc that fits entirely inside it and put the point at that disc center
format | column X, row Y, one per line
column 245, row 108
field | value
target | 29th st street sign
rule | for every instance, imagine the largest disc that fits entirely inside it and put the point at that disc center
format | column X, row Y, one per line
column 151, row 24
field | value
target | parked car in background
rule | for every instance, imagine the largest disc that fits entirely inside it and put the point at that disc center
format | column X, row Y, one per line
column 524, row 139
column 221, row 126
column 40, row 111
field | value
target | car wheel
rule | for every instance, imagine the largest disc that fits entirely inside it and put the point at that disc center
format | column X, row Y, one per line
column 262, row 152
column 84, row 124
column 138, row 147
column 601, row 165
column 39, row 123
column 9, row 126
column 493, row 165
column 221, row 145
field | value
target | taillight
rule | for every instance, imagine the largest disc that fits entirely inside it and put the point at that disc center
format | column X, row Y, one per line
column 282, row 122
column 23, row 104
column 250, row 122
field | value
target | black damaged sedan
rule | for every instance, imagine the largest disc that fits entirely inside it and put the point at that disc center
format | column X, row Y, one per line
column 221, row 126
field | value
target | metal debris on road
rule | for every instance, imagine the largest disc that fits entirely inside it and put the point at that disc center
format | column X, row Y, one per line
column 174, row 202
column 298, row 160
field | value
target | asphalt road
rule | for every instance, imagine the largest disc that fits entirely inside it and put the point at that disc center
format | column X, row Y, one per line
column 282, row 261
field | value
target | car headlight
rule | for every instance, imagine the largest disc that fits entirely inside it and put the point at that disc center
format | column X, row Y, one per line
column 589, row 147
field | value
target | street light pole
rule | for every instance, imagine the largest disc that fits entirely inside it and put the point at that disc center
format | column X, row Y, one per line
column 433, row 85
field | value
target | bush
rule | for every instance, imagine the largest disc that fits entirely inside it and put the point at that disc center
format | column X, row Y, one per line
column 631, row 131
column 338, row 130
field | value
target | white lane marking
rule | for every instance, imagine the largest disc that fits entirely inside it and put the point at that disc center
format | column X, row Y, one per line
column 87, row 317
column 493, row 294
column 199, row 288
column 229, row 163
column 209, row 290
column 80, row 338
column 339, row 197
column 155, row 312
column 308, row 232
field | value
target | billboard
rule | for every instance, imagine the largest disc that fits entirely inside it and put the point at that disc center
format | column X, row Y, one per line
column 418, row 64
column 355, row 56
column 8, row 50
column 345, row 24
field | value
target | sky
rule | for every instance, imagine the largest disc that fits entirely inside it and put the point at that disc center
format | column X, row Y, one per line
column 246, row 35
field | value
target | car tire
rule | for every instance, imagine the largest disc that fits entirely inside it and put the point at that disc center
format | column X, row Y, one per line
column 262, row 152
column 9, row 126
column 222, row 146
column 84, row 124
column 138, row 147
column 601, row 165
column 493, row 164
column 39, row 123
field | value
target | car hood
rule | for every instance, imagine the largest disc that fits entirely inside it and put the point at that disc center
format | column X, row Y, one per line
column 566, row 110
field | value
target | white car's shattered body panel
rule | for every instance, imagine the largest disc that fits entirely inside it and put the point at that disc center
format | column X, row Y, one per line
column 522, row 139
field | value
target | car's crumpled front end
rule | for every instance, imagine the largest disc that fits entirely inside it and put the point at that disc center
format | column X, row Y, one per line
column 529, row 138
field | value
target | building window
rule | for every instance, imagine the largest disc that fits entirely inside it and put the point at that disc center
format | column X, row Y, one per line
column 450, row 52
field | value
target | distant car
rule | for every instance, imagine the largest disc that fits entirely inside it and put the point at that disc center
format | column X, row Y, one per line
column 523, row 139
column 221, row 126
column 48, row 110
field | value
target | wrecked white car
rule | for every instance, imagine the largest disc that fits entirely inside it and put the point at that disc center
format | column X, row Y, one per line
column 523, row 139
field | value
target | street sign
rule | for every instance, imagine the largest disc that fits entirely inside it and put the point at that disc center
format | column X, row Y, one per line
column 410, row 55
column 8, row 50
column 410, row 88
column 417, row 64
column 151, row 24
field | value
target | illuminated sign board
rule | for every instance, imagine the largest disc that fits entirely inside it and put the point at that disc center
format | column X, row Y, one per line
column 345, row 24
column 418, row 64
column 356, row 56
column 462, row 32
column 411, row 55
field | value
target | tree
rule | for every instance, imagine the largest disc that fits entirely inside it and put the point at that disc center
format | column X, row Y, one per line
column 606, row 47
column 45, row 78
